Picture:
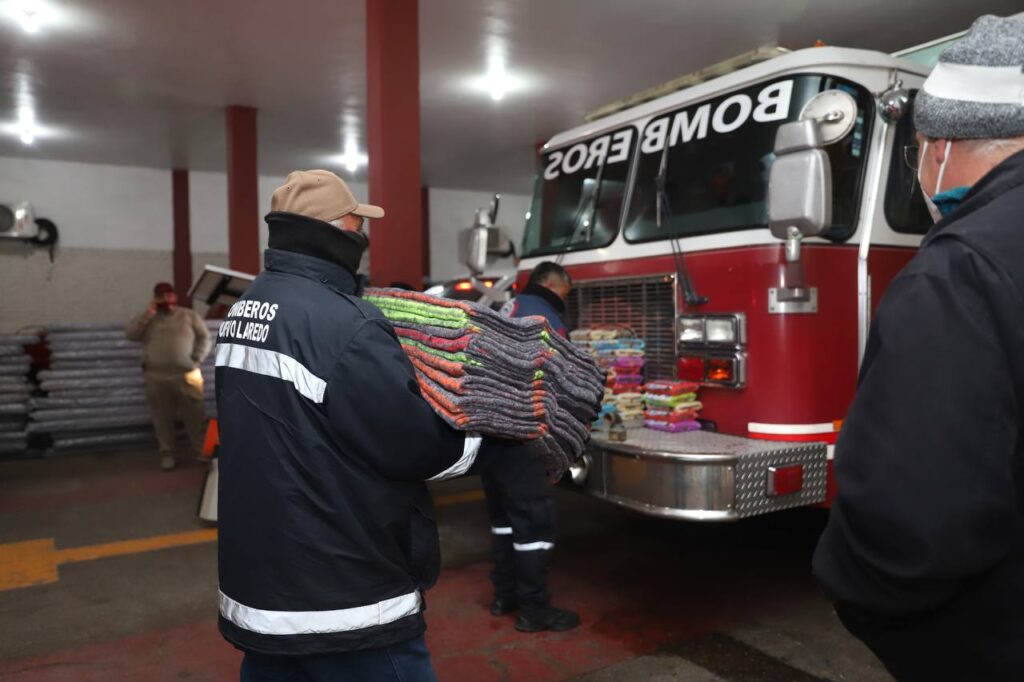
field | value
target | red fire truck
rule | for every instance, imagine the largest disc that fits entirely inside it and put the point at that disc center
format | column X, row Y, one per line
column 745, row 226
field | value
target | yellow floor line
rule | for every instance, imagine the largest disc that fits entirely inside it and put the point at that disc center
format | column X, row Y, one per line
column 109, row 549
column 35, row 562
column 24, row 564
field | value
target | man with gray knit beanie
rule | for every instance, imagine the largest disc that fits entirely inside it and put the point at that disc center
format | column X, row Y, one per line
column 924, row 551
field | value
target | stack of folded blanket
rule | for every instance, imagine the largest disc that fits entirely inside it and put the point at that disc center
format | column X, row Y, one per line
column 671, row 406
column 623, row 357
column 510, row 378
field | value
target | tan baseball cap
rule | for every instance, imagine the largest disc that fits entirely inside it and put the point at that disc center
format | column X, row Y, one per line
column 319, row 194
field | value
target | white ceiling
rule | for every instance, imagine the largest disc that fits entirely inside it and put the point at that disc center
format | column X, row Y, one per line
column 144, row 82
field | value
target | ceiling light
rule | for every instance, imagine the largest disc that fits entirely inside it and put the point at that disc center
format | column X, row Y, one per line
column 352, row 159
column 28, row 14
column 26, row 125
column 496, row 81
column 29, row 18
column 26, row 128
column 497, row 78
column 30, row 132
column 45, row 17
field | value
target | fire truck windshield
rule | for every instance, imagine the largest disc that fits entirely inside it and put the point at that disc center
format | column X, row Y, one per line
column 713, row 176
column 578, row 197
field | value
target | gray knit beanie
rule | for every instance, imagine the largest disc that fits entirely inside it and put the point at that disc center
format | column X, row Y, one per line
column 976, row 91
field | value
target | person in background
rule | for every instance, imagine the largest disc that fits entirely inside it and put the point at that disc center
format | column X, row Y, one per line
column 520, row 499
column 544, row 296
column 923, row 554
column 174, row 343
column 327, row 534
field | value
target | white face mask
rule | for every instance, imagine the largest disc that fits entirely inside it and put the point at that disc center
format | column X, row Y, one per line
column 932, row 208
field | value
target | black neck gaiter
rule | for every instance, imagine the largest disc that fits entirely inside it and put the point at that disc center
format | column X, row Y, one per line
column 312, row 237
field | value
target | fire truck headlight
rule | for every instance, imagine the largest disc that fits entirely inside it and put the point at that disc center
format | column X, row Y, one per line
column 691, row 330
column 721, row 330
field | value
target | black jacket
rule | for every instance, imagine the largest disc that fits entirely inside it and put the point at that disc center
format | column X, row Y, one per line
column 327, row 533
column 924, row 550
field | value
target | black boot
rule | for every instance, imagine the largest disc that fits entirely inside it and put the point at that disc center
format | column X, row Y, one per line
column 547, row 619
column 502, row 606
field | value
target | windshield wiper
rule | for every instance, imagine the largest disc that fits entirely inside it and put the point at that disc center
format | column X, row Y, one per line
column 661, row 198
column 661, row 210
column 588, row 222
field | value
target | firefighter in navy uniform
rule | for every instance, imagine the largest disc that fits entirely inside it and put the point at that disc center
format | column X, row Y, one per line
column 327, row 533
column 520, row 499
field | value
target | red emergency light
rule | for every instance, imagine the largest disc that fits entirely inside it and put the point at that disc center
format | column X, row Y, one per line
column 468, row 286
column 711, row 371
column 722, row 370
column 785, row 480
column 690, row 369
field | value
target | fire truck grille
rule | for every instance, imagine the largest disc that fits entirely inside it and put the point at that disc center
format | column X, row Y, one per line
column 644, row 305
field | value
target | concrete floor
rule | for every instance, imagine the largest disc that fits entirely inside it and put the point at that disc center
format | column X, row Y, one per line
column 660, row 600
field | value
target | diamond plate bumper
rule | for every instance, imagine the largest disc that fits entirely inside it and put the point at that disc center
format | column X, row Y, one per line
column 699, row 476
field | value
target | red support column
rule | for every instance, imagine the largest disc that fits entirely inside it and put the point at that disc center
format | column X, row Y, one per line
column 425, row 216
column 393, row 127
column 243, row 190
column 182, row 236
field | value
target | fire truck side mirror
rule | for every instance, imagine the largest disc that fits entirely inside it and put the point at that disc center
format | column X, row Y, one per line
column 799, row 182
column 474, row 249
column 478, row 244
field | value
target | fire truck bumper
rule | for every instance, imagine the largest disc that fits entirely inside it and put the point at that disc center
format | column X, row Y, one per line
column 702, row 476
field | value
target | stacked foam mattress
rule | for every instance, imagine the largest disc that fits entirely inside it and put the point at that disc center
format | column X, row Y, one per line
column 15, row 391
column 93, row 393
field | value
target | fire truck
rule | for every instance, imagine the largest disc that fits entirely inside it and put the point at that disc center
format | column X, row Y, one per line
column 743, row 221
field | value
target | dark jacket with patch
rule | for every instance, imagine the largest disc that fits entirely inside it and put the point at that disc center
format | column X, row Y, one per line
column 924, row 550
column 327, row 533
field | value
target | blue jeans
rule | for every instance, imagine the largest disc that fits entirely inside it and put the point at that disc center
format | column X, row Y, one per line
column 403, row 662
